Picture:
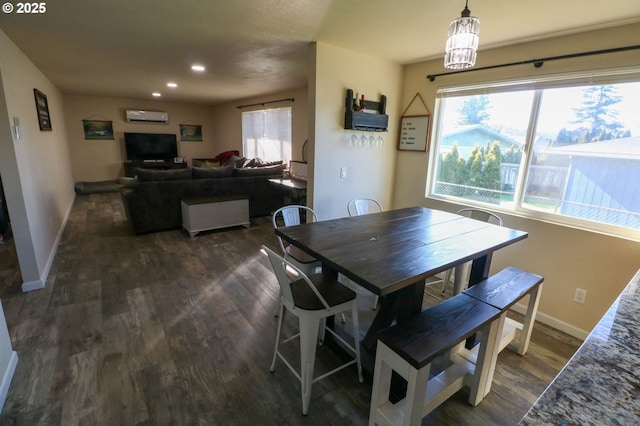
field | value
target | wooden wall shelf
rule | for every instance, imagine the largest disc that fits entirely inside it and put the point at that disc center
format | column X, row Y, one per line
column 371, row 118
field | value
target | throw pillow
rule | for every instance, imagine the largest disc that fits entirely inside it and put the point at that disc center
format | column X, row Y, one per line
column 211, row 172
column 223, row 157
column 270, row 171
column 254, row 162
column 150, row 175
column 237, row 162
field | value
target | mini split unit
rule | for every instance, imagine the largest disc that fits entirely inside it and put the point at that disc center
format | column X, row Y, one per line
column 139, row 116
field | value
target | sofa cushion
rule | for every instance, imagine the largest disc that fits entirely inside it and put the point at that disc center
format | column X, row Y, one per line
column 211, row 172
column 150, row 175
column 275, row 171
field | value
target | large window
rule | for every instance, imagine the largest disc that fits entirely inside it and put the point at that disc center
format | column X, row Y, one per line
column 266, row 134
column 561, row 151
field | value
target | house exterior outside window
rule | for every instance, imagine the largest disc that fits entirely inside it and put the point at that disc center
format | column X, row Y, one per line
column 563, row 151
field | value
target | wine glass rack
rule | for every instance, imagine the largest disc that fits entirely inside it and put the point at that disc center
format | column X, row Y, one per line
column 365, row 115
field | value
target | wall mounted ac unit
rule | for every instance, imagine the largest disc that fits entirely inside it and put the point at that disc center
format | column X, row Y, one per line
column 139, row 116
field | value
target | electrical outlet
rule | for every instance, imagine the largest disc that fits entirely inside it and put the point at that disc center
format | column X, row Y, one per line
column 580, row 295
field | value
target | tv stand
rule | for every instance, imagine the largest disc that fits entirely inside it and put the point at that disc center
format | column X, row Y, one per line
column 130, row 166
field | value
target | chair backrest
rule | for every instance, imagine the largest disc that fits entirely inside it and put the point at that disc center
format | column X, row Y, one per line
column 360, row 206
column 480, row 214
column 290, row 216
column 280, row 265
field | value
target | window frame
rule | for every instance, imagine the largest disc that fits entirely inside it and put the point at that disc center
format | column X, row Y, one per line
column 538, row 85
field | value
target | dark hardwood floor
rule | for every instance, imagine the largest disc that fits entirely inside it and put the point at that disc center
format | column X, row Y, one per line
column 10, row 276
column 165, row 329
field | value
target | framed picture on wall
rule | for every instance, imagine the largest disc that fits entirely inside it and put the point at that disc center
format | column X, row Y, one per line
column 42, row 108
column 191, row 132
column 97, row 129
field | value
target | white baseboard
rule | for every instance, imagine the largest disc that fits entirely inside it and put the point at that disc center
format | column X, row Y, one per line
column 7, row 377
column 32, row 285
column 39, row 284
column 555, row 323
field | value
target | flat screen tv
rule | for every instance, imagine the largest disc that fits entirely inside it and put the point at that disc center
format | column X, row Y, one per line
column 150, row 146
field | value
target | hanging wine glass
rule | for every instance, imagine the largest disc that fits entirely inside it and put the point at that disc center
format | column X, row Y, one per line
column 379, row 142
column 371, row 143
column 363, row 141
column 353, row 141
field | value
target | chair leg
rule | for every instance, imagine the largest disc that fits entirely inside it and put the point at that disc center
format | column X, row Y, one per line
column 321, row 330
column 445, row 282
column 279, row 308
column 272, row 368
column 308, row 340
column 356, row 339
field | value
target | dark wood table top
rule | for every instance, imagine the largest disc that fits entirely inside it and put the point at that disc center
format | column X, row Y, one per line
column 385, row 252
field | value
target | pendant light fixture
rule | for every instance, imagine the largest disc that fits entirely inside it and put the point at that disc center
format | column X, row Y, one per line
column 463, row 41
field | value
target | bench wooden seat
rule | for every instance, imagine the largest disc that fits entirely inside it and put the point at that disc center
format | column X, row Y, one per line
column 505, row 289
column 410, row 347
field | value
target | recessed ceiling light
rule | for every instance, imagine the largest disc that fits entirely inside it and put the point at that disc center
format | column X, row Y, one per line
column 157, row 94
column 172, row 85
column 198, row 68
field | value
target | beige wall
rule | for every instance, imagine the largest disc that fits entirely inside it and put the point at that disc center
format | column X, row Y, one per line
column 369, row 171
column 227, row 120
column 36, row 175
column 567, row 258
column 36, row 170
column 97, row 160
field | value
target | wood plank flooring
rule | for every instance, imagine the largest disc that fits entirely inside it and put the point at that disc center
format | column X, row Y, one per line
column 165, row 329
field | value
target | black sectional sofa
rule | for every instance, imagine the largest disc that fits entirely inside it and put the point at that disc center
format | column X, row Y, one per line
column 153, row 201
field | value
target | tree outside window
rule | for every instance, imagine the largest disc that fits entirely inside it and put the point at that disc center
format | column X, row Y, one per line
column 584, row 157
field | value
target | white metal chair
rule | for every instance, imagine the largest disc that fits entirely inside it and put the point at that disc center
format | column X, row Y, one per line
column 312, row 299
column 362, row 206
column 465, row 269
column 290, row 216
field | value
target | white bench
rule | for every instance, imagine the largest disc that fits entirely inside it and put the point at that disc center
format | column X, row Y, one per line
column 409, row 348
column 214, row 212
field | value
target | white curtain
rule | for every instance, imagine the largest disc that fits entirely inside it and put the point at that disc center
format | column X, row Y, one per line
column 266, row 134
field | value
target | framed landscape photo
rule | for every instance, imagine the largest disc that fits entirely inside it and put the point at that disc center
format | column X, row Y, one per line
column 97, row 129
column 414, row 133
column 191, row 132
column 42, row 108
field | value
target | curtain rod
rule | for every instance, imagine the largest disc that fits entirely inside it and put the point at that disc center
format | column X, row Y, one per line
column 264, row 103
column 539, row 62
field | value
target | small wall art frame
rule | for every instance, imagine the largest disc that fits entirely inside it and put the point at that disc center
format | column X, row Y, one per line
column 414, row 133
column 42, row 108
column 97, row 129
column 191, row 132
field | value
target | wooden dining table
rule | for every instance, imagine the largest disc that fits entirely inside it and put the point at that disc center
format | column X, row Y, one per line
column 393, row 252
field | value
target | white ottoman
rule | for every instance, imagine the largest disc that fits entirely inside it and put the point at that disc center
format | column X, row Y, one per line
column 214, row 212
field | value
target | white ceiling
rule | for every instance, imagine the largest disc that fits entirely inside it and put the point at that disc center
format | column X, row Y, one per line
column 254, row 47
